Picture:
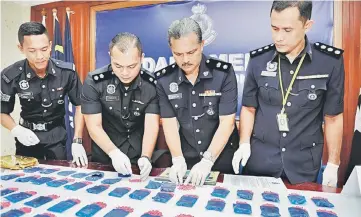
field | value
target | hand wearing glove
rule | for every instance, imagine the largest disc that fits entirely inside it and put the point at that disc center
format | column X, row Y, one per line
column 79, row 154
column 330, row 175
column 25, row 136
column 145, row 167
column 242, row 154
column 199, row 172
column 121, row 162
column 178, row 170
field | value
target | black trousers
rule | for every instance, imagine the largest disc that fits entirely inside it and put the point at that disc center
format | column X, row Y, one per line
column 41, row 151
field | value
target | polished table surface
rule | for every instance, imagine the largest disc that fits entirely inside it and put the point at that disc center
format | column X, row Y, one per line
column 156, row 171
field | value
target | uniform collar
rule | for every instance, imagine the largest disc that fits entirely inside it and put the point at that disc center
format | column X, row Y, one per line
column 307, row 49
column 136, row 83
column 204, row 72
column 50, row 70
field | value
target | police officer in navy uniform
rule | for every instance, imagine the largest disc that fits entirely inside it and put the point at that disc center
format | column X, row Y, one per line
column 41, row 84
column 120, row 106
column 198, row 96
column 292, row 86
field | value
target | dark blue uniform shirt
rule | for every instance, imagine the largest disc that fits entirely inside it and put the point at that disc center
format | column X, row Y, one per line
column 317, row 91
column 41, row 99
column 198, row 107
column 123, row 110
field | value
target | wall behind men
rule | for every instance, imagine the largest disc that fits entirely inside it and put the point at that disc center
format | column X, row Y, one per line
column 13, row 15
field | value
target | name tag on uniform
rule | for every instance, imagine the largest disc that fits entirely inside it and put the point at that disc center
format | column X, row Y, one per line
column 268, row 74
column 111, row 98
column 26, row 95
column 312, row 77
column 175, row 96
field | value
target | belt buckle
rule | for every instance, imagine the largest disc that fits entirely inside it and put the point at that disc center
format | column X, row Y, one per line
column 39, row 127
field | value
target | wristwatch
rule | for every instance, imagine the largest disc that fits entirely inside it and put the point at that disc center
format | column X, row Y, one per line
column 208, row 156
column 78, row 140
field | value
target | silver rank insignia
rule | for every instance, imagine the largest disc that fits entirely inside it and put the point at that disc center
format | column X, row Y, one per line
column 60, row 101
column 271, row 66
column 24, row 85
column 136, row 113
column 206, row 73
column 173, row 87
column 111, row 88
column 312, row 96
column 210, row 111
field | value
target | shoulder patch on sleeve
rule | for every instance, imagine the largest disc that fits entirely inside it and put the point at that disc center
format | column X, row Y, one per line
column 261, row 50
column 148, row 76
column 328, row 49
column 64, row 65
column 217, row 64
column 13, row 71
column 158, row 74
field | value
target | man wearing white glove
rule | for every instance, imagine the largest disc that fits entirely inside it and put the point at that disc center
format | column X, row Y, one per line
column 285, row 102
column 241, row 156
column 41, row 84
column 198, row 94
column 121, row 110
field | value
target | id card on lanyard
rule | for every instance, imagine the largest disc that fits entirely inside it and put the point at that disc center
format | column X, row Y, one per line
column 282, row 119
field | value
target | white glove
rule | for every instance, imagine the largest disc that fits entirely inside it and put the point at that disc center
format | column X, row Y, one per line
column 178, row 170
column 145, row 167
column 242, row 154
column 25, row 136
column 199, row 172
column 121, row 162
column 79, row 154
column 330, row 175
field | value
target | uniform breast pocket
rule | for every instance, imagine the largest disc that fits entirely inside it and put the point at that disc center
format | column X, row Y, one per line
column 269, row 90
column 210, row 107
column 137, row 111
column 29, row 98
column 180, row 108
column 57, row 97
column 311, row 92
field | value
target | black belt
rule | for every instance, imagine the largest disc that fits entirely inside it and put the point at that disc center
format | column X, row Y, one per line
column 41, row 127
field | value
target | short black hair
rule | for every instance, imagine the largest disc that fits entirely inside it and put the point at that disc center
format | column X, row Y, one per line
column 305, row 8
column 31, row 28
column 125, row 41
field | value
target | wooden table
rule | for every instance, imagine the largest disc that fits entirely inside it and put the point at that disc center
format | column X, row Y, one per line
column 309, row 186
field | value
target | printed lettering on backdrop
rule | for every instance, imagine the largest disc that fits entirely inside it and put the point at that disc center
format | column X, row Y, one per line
column 230, row 30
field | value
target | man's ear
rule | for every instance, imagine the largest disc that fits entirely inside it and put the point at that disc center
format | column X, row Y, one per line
column 308, row 25
column 20, row 47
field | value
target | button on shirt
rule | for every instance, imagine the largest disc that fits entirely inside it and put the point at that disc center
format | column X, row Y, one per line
column 123, row 110
column 197, row 113
column 317, row 91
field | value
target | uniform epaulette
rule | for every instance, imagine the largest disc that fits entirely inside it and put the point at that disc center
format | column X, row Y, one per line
column 102, row 74
column 148, row 76
column 262, row 50
column 63, row 65
column 218, row 64
column 13, row 71
column 165, row 70
column 329, row 50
